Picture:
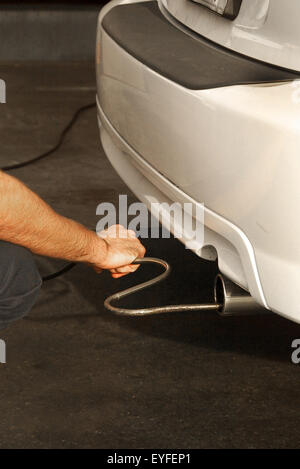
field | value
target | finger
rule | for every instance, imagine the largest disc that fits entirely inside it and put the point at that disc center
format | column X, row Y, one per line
column 116, row 276
column 126, row 269
column 141, row 251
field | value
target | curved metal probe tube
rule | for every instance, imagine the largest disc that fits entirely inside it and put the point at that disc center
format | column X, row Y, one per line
column 156, row 310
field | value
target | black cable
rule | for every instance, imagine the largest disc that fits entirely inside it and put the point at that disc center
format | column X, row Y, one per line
column 57, row 146
column 61, row 139
column 65, row 269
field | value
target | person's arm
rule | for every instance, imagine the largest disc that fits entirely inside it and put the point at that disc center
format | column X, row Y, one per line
column 25, row 219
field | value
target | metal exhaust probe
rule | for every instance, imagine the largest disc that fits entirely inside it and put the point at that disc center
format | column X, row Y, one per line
column 234, row 301
column 157, row 310
column 230, row 300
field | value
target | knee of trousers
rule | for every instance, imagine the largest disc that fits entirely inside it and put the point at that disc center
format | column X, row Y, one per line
column 20, row 282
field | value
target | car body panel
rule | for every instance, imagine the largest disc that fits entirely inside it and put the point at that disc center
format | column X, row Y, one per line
column 235, row 149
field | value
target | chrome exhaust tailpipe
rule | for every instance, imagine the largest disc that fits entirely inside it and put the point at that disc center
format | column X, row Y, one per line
column 234, row 301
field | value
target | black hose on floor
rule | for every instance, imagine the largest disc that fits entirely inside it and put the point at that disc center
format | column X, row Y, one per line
column 52, row 150
column 47, row 153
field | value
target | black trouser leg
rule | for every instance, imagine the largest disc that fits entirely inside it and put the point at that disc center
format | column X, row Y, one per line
column 20, row 282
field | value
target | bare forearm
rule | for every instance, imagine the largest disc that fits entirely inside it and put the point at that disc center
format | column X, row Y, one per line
column 27, row 220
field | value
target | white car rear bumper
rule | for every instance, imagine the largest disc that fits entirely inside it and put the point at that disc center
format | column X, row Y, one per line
column 235, row 149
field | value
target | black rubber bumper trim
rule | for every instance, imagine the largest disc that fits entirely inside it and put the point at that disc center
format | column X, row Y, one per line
column 195, row 63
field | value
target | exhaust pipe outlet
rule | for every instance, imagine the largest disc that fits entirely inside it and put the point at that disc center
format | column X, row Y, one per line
column 234, row 301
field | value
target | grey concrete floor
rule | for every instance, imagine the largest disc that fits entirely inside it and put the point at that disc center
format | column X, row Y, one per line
column 77, row 377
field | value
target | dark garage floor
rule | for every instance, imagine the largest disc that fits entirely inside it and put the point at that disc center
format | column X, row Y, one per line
column 77, row 376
